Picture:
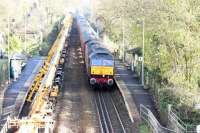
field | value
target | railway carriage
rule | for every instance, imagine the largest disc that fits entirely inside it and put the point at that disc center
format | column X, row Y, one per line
column 98, row 60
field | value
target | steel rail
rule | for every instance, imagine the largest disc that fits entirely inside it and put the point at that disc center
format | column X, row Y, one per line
column 100, row 122
column 118, row 116
column 108, row 116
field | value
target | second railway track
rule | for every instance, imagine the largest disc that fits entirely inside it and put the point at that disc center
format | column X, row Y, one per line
column 113, row 116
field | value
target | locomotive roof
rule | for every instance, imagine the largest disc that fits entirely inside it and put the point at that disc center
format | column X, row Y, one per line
column 101, row 54
column 96, row 50
column 93, row 41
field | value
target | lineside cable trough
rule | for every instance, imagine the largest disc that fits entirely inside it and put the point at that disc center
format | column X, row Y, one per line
column 36, row 114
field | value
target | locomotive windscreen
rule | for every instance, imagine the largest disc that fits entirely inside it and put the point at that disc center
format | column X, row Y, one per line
column 102, row 60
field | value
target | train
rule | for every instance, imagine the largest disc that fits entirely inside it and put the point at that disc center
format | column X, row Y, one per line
column 99, row 61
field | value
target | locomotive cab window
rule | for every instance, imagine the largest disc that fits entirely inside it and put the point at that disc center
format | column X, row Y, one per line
column 96, row 62
column 108, row 63
column 100, row 62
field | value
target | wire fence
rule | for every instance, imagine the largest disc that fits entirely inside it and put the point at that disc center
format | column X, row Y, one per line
column 152, row 122
column 6, row 126
column 178, row 125
column 175, row 125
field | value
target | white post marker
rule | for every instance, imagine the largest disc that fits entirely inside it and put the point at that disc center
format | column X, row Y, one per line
column 8, row 23
column 143, row 24
column 25, row 30
column 198, row 128
column 123, row 32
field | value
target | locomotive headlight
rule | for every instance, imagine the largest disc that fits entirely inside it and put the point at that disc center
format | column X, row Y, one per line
column 92, row 81
column 110, row 82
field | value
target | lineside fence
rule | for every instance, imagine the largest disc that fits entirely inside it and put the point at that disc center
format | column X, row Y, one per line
column 175, row 125
column 152, row 122
column 3, row 88
column 178, row 125
column 6, row 126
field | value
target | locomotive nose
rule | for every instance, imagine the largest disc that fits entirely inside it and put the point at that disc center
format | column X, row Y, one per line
column 110, row 82
column 92, row 81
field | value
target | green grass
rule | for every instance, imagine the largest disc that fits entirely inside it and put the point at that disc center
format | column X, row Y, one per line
column 143, row 128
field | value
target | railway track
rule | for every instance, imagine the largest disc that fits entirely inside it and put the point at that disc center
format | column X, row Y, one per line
column 81, row 108
column 75, row 110
column 113, row 116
